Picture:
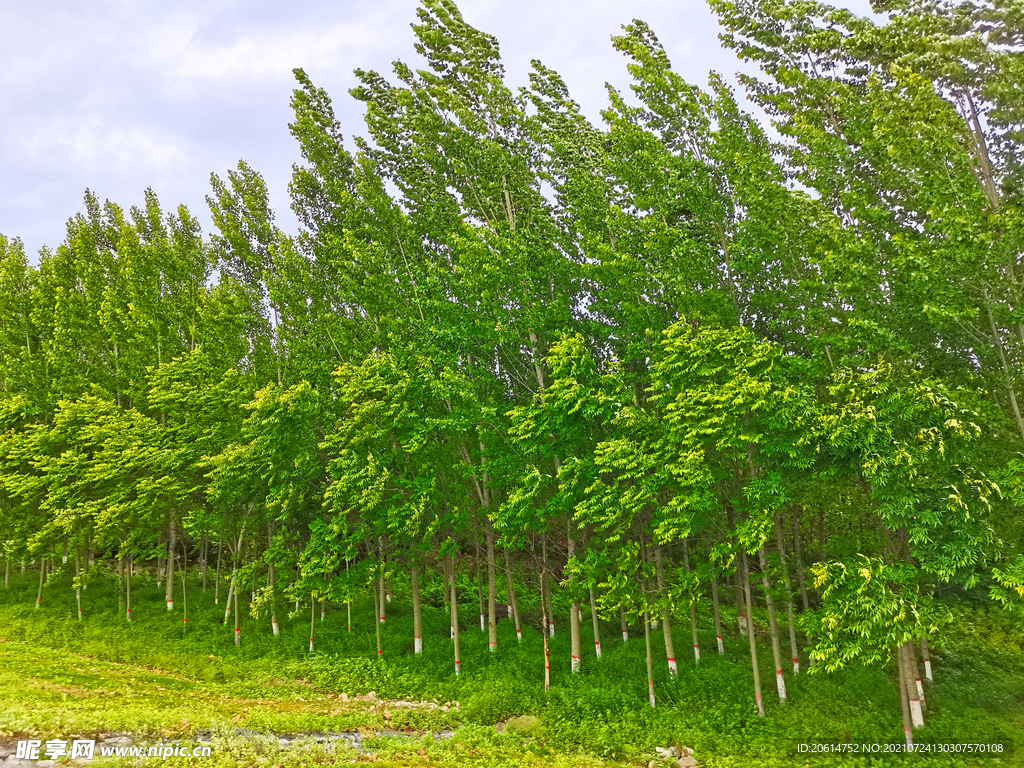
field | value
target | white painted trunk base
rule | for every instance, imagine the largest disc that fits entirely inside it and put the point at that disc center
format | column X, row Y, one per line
column 928, row 669
column 796, row 666
column 920, row 690
column 650, row 693
column 277, row 629
column 597, row 648
column 625, row 635
column 575, row 663
column 417, row 644
column 551, row 629
column 780, row 684
column 519, row 635
column 457, row 665
column 908, row 738
column 483, row 625
column 170, row 605
column 696, row 652
column 311, row 645
column 673, row 668
column 721, row 645
column 916, row 716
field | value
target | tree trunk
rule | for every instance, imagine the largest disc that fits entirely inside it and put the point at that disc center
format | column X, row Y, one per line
column 901, row 677
column 203, row 567
column 750, row 634
column 455, row 617
column 666, row 620
column 795, row 649
column 375, row 588
column 78, row 586
column 184, row 591
column 513, row 603
column 693, row 607
column 575, row 640
column 773, row 625
column 382, row 587
column 312, row 621
column 927, row 659
column 417, row 614
column 231, row 592
column 42, row 577
column 492, row 589
column 622, row 621
column 480, row 589
column 128, row 586
column 650, row 660
column 272, row 582
column 171, row 548
column 7, row 573
column 238, row 615
column 216, row 583
column 597, row 628
column 546, row 594
column 718, row 617
column 916, row 714
column 544, row 620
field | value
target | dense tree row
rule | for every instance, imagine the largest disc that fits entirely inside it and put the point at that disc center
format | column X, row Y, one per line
column 654, row 363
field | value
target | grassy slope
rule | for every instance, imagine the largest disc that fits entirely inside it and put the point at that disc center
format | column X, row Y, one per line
column 155, row 676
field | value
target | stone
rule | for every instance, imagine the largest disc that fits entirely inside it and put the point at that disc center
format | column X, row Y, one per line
column 665, row 753
column 344, row 696
column 687, row 761
column 527, row 725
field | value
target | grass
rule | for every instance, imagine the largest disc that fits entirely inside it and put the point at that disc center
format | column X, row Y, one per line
column 160, row 679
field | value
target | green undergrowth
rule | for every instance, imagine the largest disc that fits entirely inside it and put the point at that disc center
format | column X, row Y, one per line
column 158, row 674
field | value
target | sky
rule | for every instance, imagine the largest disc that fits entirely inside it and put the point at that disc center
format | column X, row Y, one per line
column 119, row 95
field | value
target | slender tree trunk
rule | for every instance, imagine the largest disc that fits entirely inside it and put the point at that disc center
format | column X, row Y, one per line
column 915, row 672
column 216, row 583
column 544, row 620
column 741, row 609
column 120, row 582
column 417, row 615
column 513, row 603
column 597, row 628
column 492, row 589
column 184, row 584
column 376, row 621
column 916, row 713
column 231, row 592
column 789, row 595
column 238, row 614
column 42, row 577
column 382, row 586
column 312, row 621
column 693, row 607
column 455, row 617
column 927, row 659
column 650, row 660
column 773, row 626
column 171, row 548
column 718, row 617
column 622, row 621
column 576, row 643
column 128, row 586
column 750, row 634
column 908, row 735
column 203, row 568
column 7, row 573
column 272, row 582
column 78, row 587
column 480, row 588
column 666, row 619
column 348, row 603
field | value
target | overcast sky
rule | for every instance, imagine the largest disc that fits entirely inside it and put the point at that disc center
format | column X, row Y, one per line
column 120, row 95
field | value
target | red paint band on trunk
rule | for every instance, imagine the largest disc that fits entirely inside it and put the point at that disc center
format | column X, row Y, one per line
column 575, row 657
column 718, row 636
column 672, row 658
column 778, row 671
column 796, row 661
column 416, row 637
column 597, row 642
column 458, row 662
column 927, row 660
column 184, row 621
column 492, row 643
column 696, row 646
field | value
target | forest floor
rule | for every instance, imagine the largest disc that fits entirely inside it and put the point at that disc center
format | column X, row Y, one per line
column 161, row 681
